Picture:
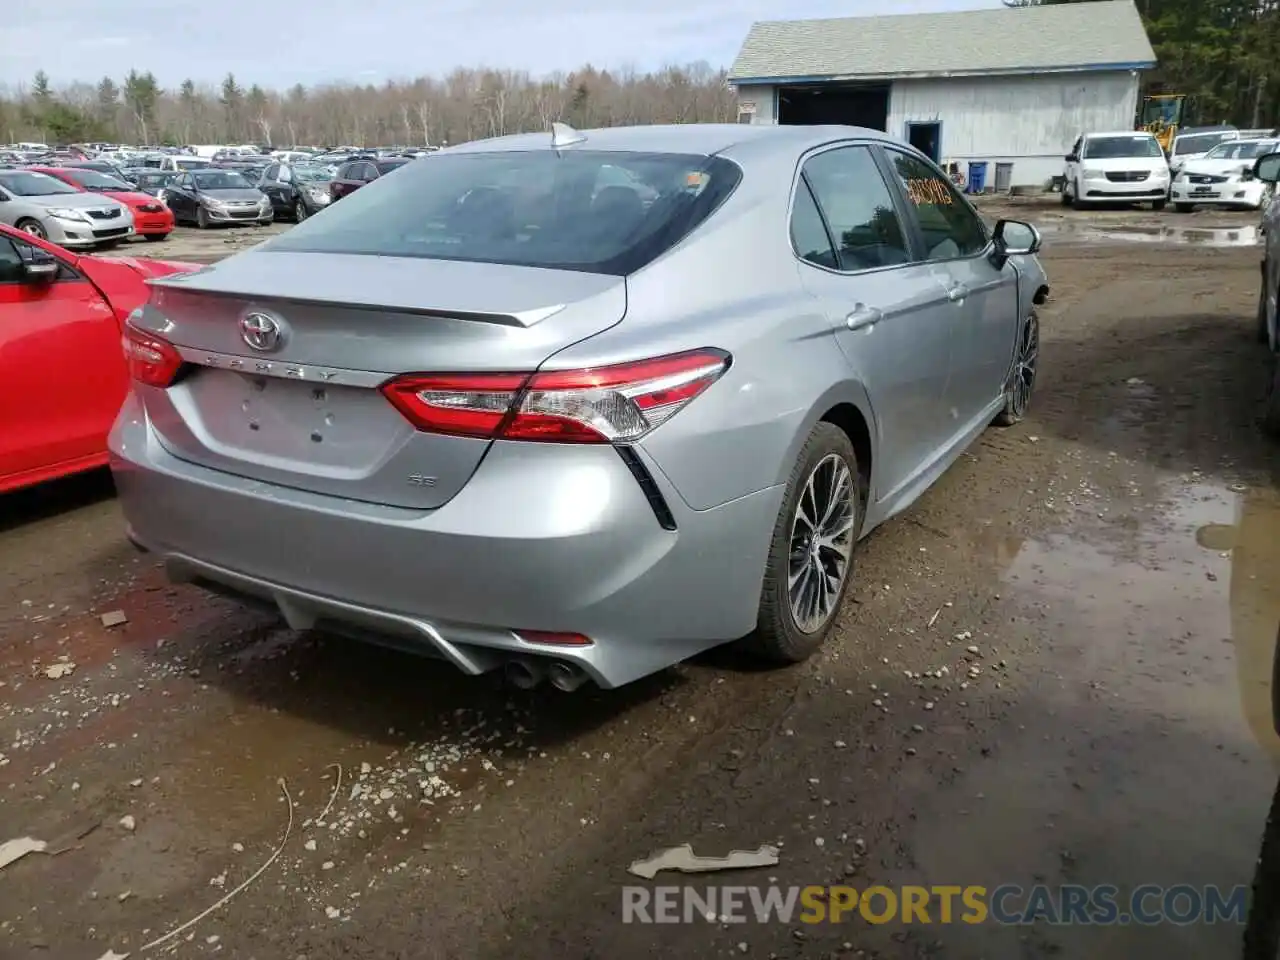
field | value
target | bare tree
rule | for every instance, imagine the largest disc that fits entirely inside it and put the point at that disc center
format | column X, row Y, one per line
column 466, row 104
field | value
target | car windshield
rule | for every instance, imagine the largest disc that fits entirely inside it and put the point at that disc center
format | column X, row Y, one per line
column 192, row 163
column 527, row 208
column 307, row 173
column 1114, row 148
column 1241, row 150
column 93, row 180
column 219, row 180
column 1200, row 143
column 23, row 183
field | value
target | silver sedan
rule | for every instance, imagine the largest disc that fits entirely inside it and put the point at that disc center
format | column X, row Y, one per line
column 579, row 405
column 45, row 207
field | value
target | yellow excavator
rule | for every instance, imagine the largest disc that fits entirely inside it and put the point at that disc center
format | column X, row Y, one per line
column 1162, row 115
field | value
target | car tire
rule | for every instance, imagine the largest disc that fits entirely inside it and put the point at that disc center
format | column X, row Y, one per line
column 1262, row 928
column 827, row 461
column 1184, row 207
column 34, row 227
column 1022, row 377
column 299, row 211
column 202, row 218
column 1158, row 205
column 1064, row 198
column 155, row 237
column 1076, row 202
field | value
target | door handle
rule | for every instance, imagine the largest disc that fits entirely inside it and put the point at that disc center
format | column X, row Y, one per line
column 862, row 317
column 957, row 293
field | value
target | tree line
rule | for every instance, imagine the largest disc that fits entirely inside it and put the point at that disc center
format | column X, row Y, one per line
column 465, row 105
column 1223, row 54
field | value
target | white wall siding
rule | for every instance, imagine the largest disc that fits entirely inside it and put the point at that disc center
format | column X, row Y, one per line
column 1028, row 121
column 765, row 100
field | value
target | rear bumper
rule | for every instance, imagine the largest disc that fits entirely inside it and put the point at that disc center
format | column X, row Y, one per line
column 543, row 537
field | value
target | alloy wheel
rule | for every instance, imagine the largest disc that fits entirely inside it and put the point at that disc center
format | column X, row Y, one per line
column 822, row 538
column 34, row 229
column 1024, row 367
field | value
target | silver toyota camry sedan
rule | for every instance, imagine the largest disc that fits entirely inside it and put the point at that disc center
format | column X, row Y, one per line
column 579, row 405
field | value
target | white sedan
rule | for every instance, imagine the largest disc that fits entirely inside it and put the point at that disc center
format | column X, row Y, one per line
column 1224, row 177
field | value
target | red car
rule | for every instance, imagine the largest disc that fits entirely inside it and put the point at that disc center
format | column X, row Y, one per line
column 151, row 218
column 62, row 371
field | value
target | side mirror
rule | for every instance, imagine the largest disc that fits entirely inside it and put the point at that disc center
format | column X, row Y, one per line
column 1070, row 158
column 1267, row 169
column 1016, row 239
column 40, row 268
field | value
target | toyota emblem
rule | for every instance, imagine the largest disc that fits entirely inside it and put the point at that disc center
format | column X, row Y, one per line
column 260, row 331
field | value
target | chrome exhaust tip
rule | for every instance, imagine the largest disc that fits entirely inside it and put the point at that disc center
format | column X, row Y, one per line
column 522, row 674
column 566, row 677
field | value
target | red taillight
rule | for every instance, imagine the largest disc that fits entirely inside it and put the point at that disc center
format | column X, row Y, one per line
column 151, row 360
column 553, row 638
column 612, row 404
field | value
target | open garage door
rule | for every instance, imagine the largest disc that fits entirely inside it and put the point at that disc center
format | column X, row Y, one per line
column 858, row 105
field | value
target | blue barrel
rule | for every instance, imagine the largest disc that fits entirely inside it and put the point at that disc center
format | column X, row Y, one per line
column 977, row 177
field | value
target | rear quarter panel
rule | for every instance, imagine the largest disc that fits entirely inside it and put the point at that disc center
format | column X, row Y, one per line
column 734, row 284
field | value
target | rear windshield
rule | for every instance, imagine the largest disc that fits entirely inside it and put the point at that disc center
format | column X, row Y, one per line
column 1113, row 148
column 1200, row 143
column 386, row 166
column 599, row 212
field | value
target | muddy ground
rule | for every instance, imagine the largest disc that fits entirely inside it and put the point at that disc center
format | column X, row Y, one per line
column 1112, row 563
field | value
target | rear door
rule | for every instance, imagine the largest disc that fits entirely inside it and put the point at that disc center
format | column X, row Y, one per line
column 984, row 321
column 62, row 374
column 890, row 312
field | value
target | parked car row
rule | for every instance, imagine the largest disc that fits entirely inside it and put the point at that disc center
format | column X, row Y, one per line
column 1212, row 167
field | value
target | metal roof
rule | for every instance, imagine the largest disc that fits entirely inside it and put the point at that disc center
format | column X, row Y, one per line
column 1106, row 34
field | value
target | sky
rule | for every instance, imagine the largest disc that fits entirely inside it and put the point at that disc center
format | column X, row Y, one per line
column 278, row 44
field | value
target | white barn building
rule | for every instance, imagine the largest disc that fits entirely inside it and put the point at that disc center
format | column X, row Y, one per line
column 1013, row 87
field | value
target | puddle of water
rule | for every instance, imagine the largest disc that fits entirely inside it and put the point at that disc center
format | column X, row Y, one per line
column 1252, row 541
column 1128, row 759
column 1201, row 575
column 1076, row 232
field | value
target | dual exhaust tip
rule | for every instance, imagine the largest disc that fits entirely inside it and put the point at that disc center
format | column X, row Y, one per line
column 525, row 674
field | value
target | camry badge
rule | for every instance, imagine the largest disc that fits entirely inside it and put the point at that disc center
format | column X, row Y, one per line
column 260, row 331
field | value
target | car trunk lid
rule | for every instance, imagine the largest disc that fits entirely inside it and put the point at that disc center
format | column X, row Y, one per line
column 305, row 411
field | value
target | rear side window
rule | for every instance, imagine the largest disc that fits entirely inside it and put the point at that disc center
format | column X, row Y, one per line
column 527, row 208
column 809, row 237
column 950, row 226
column 858, row 207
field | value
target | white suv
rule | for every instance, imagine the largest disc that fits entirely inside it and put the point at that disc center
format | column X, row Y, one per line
column 1125, row 167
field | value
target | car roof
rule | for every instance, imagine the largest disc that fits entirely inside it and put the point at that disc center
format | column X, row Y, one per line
column 1144, row 134
column 694, row 138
